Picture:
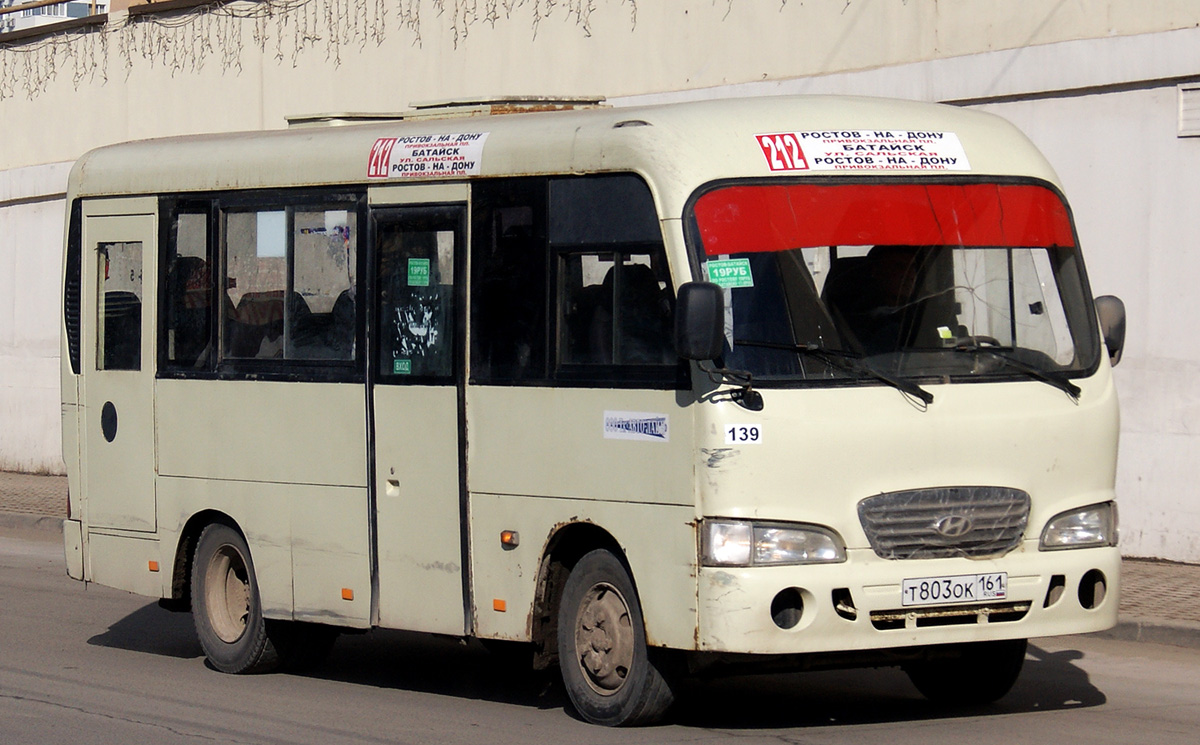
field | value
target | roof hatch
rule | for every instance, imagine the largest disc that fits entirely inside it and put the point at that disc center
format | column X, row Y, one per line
column 452, row 109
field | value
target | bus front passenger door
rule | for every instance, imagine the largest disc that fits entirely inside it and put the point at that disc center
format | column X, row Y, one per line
column 119, row 261
column 416, row 400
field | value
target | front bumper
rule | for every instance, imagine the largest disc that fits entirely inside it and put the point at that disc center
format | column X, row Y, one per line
column 856, row 605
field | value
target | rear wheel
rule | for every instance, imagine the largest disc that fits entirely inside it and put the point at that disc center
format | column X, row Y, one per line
column 971, row 674
column 606, row 668
column 226, row 606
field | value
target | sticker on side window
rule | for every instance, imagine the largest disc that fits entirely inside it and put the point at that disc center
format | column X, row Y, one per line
column 862, row 149
column 423, row 156
column 418, row 272
column 730, row 273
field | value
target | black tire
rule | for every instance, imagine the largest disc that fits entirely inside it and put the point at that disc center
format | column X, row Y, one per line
column 225, row 604
column 970, row 674
column 606, row 669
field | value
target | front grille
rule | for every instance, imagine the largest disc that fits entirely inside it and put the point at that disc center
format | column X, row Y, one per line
column 966, row 521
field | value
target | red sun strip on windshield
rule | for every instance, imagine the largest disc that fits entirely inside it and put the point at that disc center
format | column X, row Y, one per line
column 740, row 219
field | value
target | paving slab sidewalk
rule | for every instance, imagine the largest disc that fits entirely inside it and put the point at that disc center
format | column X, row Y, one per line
column 1160, row 600
column 34, row 500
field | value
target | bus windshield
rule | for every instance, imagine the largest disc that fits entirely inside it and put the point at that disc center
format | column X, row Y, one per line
column 943, row 280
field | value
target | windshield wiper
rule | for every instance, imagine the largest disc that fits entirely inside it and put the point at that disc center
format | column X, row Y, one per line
column 1045, row 376
column 849, row 362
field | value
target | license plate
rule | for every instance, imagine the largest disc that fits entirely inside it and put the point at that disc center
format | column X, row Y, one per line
column 963, row 588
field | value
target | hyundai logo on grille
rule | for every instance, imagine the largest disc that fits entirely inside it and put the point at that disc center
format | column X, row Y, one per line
column 953, row 526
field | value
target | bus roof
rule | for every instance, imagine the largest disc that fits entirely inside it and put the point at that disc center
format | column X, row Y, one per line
column 677, row 147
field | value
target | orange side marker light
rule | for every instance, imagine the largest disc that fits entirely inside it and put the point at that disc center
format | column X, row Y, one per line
column 154, row 566
column 347, row 593
column 499, row 605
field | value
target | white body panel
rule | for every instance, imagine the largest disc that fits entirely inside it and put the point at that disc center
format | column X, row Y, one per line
column 660, row 547
column 529, row 442
column 824, row 451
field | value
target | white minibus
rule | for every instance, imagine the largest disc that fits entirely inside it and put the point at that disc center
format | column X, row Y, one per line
column 791, row 382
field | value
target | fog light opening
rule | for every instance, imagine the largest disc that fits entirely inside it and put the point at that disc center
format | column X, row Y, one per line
column 1058, row 585
column 1092, row 589
column 786, row 608
column 843, row 603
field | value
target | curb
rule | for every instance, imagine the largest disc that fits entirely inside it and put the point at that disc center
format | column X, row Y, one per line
column 1170, row 633
column 33, row 522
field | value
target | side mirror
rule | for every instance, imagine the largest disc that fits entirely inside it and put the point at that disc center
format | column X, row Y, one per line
column 699, row 321
column 1111, row 312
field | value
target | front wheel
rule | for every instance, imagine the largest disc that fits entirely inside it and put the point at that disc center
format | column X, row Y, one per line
column 606, row 668
column 972, row 674
column 226, row 606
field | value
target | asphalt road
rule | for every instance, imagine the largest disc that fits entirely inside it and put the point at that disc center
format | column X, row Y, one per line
column 93, row 665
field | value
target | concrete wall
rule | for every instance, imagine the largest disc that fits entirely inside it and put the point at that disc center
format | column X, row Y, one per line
column 144, row 77
column 31, row 226
column 1092, row 82
column 1135, row 185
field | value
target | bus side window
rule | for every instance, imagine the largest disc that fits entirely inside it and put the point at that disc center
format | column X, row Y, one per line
column 289, row 283
column 119, row 337
column 574, row 264
column 189, row 293
column 614, row 301
column 508, row 310
column 322, row 295
column 255, row 244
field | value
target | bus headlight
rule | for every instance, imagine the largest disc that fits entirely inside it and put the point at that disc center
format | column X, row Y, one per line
column 737, row 543
column 1087, row 527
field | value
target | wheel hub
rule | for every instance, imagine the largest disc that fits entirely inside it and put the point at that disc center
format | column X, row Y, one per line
column 604, row 639
column 228, row 594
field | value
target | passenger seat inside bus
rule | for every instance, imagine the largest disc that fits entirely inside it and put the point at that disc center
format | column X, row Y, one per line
column 255, row 328
column 122, row 331
column 189, row 285
column 643, row 316
column 645, row 322
column 339, row 337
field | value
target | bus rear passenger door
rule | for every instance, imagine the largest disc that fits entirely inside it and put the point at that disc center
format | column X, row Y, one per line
column 119, row 259
column 417, row 411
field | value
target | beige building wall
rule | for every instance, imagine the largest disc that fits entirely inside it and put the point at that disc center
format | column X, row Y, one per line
column 201, row 71
column 31, row 228
column 1092, row 82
